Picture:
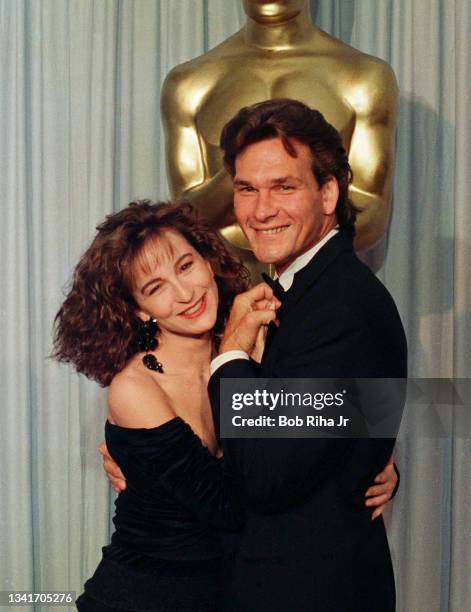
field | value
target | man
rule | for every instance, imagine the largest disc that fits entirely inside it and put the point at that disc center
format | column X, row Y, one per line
column 280, row 52
column 308, row 541
column 306, row 516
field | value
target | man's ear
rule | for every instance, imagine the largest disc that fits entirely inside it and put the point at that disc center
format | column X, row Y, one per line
column 330, row 195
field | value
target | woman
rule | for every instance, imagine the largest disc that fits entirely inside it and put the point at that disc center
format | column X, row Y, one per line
column 147, row 301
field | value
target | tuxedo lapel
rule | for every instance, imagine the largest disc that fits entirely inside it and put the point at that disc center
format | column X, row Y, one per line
column 308, row 275
column 303, row 281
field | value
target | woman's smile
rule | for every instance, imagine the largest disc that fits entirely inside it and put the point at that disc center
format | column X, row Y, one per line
column 195, row 310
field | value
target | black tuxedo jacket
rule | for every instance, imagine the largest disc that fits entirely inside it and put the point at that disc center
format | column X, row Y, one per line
column 309, row 543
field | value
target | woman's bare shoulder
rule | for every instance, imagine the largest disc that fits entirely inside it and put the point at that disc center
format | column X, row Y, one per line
column 135, row 399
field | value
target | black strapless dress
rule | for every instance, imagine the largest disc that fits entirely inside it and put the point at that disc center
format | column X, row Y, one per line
column 165, row 554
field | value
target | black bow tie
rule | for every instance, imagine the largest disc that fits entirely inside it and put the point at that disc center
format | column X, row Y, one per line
column 275, row 285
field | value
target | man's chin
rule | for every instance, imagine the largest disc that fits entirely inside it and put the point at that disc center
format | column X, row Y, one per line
column 268, row 256
column 263, row 258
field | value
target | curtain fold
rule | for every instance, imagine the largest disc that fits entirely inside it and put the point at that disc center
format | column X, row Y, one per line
column 82, row 136
column 460, row 541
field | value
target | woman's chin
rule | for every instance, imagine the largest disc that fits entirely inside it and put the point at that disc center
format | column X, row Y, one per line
column 196, row 328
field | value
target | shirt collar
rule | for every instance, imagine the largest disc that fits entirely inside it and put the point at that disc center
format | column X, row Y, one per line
column 286, row 278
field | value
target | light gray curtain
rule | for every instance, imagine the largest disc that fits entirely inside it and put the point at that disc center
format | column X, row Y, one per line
column 81, row 136
column 428, row 252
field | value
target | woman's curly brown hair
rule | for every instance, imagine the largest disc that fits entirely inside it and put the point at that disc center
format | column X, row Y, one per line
column 95, row 328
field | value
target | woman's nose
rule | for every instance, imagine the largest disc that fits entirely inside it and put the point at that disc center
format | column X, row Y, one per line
column 183, row 291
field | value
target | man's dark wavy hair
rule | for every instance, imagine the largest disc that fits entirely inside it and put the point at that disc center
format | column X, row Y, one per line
column 95, row 328
column 292, row 120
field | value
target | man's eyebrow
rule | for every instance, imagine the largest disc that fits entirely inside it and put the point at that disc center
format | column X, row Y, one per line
column 158, row 278
column 276, row 181
column 241, row 182
column 286, row 179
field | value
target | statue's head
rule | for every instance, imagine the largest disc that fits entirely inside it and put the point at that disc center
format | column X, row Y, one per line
column 273, row 11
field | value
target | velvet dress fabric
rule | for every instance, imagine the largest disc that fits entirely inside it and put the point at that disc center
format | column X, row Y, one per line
column 165, row 554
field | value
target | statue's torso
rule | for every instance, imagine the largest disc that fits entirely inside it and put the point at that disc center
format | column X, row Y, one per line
column 225, row 87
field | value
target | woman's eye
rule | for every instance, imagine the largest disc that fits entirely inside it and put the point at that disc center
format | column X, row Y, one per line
column 186, row 265
column 154, row 289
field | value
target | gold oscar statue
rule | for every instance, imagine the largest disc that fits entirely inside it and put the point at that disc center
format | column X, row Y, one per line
column 280, row 53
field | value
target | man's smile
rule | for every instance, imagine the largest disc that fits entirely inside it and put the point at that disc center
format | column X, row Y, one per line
column 271, row 230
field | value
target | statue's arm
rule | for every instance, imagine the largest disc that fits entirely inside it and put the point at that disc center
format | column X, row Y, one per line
column 372, row 148
column 186, row 154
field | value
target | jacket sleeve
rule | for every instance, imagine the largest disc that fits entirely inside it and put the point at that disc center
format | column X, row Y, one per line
column 274, row 473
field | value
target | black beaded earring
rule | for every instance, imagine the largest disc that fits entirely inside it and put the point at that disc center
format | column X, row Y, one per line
column 147, row 341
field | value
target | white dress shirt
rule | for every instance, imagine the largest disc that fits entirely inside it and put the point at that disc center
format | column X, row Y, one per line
column 286, row 280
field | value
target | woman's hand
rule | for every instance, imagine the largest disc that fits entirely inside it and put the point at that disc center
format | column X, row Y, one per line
column 259, row 346
column 380, row 494
column 112, row 469
column 251, row 312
